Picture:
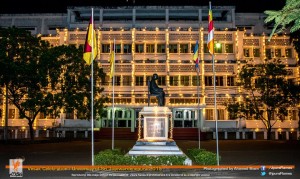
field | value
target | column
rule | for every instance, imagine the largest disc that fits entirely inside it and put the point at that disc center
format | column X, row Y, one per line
column 201, row 119
column 225, row 135
column 75, row 134
column 254, row 135
column 237, row 135
column 57, row 134
column 64, row 133
column 298, row 134
column 37, row 133
column 287, row 134
column 276, row 135
column 16, row 133
column 214, row 135
column 47, row 133
column 243, row 135
column 26, row 134
column 133, row 17
column 167, row 18
column 132, row 117
column 101, row 17
column 86, row 134
column 265, row 135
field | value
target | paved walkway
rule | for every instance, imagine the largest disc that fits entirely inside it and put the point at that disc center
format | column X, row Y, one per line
column 233, row 152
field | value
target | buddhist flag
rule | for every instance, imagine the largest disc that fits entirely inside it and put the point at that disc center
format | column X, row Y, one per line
column 195, row 55
column 90, row 44
column 112, row 64
column 210, row 38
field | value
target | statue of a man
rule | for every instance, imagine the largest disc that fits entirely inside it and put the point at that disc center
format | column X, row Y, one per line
column 159, row 92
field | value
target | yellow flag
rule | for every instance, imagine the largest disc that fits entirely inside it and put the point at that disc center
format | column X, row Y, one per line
column 112, row 64
column 90, row 44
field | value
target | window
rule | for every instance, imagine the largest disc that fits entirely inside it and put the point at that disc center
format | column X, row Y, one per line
column 208, row 81
column 139, row 80
column 219, row 81
column 105, row 80
column 221, row 114
column 174, row 80
column 139, row 48
column 173, row 48
column 194, row 81
column 256, row 52
column 188, row 123
column 184, row 80
column 177, row 123
column 228, row 48
column 150, row 48
column 121, row 123
column 118, row 48
column 184, row 48
column 206, row 48
column 230, row 81
column 179, row 114
column 268, row 53
column 161, row 80
column 42, row 115
column 127, row 48
column 161, row 48
column 193, row 48
column 105, row 48
column 278, row 52
column 11, row 113
column 246, row 52
column 70, row 114
column 288, row 52
column 126, row 80
column 117, row 80
column 218, row 47
column 209, row 114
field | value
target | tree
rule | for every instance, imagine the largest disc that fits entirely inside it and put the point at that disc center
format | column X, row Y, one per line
column 40, row 78
column 267, row 89
column 288, row 16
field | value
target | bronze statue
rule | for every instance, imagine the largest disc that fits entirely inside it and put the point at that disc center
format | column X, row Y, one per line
column 156, row 91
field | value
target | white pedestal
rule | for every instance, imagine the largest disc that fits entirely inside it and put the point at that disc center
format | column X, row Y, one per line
column 155, row 141
column 156, row 123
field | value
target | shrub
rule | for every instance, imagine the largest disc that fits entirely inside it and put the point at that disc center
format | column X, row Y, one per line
column 116, row 157
column 203, row 157
column 110, row 157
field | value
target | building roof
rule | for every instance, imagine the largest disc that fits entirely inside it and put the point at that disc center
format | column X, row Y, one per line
column 60, row 6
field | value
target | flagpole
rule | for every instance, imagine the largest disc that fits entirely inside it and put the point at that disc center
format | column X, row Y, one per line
column 198, row 107
column 92, row 89
column 215, row 101
column 113, row 100
column 215, row 108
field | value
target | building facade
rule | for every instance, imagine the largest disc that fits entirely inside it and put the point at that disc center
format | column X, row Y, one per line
column 161, row 39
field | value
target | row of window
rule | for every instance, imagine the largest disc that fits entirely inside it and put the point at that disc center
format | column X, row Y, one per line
column 179, row 115
column 269, row 53
column 161, row 48
column 174, row 80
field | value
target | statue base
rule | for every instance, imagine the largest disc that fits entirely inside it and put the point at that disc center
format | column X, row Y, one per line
column 155, row 140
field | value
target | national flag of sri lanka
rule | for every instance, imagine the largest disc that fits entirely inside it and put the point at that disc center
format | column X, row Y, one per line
column 196, row 56
column 210, row 38
column 89, row 42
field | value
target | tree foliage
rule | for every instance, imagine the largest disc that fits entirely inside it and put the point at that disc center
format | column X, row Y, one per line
column 288, row 16
column 45, row 79
column 267, row 88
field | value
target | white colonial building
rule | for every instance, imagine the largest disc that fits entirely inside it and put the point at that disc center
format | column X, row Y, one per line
column 160, row 39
